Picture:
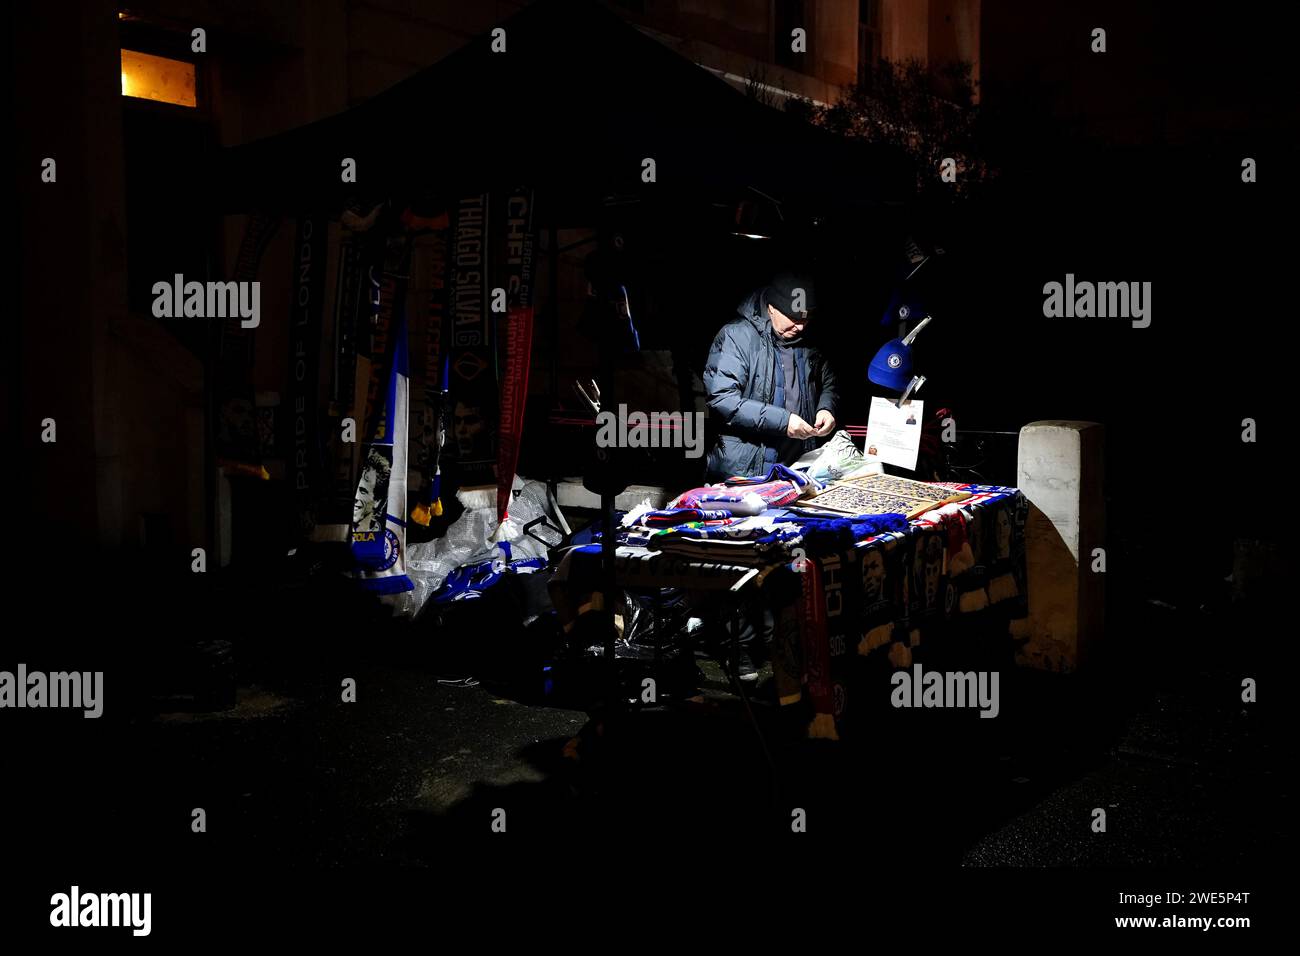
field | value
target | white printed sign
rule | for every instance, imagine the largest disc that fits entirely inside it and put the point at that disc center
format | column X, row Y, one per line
column 893, row 433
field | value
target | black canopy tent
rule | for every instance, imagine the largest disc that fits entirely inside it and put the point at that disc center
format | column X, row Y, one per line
column 573, row 107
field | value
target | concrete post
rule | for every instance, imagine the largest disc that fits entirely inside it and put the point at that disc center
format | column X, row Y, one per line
column 1060, row 469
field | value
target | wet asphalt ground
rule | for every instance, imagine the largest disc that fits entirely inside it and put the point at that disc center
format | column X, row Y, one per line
column 1186, row 773
column 1157, row 737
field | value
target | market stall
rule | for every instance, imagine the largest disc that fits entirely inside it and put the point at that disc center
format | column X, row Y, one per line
column 426, row 266
column 849, row 593
column 426, row 272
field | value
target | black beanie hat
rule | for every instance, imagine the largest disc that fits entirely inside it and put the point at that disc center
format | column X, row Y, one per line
column 793, row 295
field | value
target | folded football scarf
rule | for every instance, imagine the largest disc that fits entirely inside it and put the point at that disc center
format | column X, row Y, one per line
column 747, row 529
column 823, row 535
column 730, row 501
column 749, row 496
column 669, row 517
column 778, row 472
column 774, row 536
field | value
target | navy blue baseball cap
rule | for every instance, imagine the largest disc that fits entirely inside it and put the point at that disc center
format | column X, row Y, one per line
column 903, row 308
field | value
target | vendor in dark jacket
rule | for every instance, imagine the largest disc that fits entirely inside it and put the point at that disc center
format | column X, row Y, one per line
column 773, row 392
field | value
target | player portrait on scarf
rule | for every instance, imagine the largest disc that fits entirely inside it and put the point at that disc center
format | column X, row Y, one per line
column 372, row 493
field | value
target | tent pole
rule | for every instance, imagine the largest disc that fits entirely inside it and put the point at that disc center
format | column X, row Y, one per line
column 607, row 495
column 553, row 250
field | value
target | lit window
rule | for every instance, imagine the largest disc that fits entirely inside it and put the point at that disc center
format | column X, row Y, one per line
column 150, row 77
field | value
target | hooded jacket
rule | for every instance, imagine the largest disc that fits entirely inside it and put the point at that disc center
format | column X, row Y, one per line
column 740, row 379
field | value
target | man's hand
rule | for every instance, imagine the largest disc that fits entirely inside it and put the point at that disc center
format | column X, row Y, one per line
column 798, row 428
column 825, row 423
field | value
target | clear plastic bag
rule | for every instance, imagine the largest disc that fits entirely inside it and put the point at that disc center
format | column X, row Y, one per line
column 533, row 525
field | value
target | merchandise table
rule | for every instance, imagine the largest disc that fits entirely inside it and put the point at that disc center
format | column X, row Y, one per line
column 882, row 602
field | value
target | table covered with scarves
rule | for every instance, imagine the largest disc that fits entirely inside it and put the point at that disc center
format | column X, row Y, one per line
column 848, row 597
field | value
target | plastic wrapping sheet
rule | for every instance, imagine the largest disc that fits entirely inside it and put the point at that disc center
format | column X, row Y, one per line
column 468, row 541
column 838, row 458
column 635, row 623
column 533, row 525
column 643, row 627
